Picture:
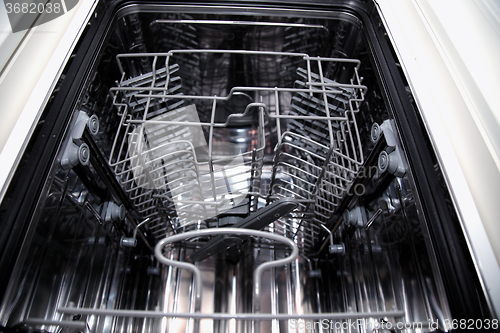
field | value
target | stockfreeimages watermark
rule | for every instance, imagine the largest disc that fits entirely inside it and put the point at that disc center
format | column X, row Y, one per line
column 24, row 14
column 373, row 325
column 356, row 324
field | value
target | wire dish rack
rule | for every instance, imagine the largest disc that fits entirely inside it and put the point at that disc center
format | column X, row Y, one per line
column 184, row 158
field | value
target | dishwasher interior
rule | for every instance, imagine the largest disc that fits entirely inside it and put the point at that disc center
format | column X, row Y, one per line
column 192, row 120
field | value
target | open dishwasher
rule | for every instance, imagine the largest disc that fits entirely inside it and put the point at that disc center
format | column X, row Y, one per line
column 225, row 168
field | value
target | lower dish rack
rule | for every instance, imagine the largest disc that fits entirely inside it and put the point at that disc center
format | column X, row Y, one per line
column 160, row 321
column 183, row 157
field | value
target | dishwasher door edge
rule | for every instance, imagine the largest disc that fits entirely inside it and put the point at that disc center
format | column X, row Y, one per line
column 29, row 114
column 449, row 115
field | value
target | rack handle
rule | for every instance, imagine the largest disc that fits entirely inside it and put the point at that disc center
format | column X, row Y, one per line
column 226, row 231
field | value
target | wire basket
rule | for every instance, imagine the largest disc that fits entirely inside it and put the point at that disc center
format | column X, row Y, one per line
column 181, row 173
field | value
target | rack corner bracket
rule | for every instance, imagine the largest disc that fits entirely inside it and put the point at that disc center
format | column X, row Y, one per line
column 391, row 159
column 76, row 151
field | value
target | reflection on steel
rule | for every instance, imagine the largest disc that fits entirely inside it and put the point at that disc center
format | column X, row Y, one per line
column 373, row 218
column 245, row 23
column 62, row 323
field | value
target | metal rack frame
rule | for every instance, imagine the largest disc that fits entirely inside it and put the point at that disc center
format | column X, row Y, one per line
column 317, row 156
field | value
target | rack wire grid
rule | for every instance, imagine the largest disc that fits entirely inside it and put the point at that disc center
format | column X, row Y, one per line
column 181, row 172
